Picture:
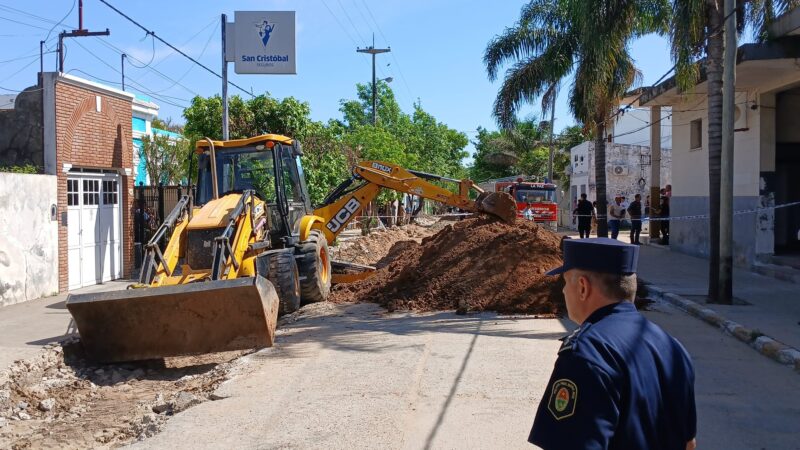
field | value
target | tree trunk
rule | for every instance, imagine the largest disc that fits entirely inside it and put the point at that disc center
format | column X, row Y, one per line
column 600, row 181
column 714, row 50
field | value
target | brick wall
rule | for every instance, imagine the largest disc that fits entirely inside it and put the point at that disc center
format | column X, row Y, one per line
column 91, row 139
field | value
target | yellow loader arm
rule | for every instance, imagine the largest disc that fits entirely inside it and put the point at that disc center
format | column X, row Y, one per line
column 369, row 177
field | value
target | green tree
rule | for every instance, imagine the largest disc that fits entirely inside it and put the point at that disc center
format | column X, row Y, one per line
column 165, row 158
column 586, row 38
column 326, row 159
column 167, row 124
column 518, row 150
column 567, row 139
column 358, row 112
column 696, row 31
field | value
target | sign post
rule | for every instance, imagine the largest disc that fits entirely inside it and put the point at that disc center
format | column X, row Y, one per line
column 224, row 80
column 257, row 42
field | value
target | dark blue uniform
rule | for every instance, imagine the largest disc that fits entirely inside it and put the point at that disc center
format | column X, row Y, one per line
column 619, row 382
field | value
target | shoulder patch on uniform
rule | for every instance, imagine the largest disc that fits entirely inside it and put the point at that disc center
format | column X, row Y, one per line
column 563, row 398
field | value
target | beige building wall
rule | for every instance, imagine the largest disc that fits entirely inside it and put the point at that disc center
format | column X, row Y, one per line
column 690, row 166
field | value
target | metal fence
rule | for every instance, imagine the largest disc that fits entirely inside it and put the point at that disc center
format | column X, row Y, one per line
column 153, row 204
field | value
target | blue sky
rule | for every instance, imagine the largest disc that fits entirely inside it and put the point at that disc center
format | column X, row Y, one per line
column 437, row 48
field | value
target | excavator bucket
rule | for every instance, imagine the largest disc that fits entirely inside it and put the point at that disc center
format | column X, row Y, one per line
column 157, row 322
column 498, row 204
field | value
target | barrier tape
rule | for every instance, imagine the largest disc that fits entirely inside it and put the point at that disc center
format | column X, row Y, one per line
column 700, row 216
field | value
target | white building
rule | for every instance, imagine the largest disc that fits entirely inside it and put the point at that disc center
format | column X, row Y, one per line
column 628, row 161
column 766, row 151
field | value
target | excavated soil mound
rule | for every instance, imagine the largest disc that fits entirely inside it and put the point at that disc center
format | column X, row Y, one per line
column 479, row 264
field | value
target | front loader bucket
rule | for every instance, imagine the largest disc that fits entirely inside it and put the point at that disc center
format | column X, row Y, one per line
column 498, row 204
column 156, row 322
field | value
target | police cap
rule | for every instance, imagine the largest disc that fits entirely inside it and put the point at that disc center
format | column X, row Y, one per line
column 598, row 255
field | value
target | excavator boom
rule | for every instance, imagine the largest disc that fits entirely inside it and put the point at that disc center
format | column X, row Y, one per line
column 369, row 177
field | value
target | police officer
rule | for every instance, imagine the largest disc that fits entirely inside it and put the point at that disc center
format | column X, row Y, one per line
column 620, row 381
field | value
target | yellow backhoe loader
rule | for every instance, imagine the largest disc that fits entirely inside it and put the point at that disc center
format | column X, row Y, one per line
column 246, row 248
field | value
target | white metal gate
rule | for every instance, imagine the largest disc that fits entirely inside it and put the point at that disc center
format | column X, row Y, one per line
column 94, row 242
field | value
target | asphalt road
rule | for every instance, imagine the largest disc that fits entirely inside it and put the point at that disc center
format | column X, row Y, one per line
column 357, row 377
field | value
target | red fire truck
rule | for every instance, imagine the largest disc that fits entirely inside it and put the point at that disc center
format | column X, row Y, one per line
column 536, row 201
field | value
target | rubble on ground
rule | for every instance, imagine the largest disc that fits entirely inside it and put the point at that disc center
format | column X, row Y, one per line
column 59, row 399
column 476, row 264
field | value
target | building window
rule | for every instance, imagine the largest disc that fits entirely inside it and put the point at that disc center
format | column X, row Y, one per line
column 91, row 192
column 72, row 193
column 110, row 192
column 696, row 134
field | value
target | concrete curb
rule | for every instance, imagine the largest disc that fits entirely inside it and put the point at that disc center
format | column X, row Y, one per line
column 762, row 343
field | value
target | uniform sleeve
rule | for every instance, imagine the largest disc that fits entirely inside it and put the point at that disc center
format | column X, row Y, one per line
column 691, row 415
column 579, row 409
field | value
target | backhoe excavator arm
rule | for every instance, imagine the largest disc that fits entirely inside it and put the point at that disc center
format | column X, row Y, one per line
column 369, row 177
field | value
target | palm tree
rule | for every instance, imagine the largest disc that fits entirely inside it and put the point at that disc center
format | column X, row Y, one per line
column 697, row 29
column 586, row 38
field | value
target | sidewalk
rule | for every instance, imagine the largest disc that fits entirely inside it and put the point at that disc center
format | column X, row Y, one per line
column 763, row 304
column 27, row 327
column 765, row 314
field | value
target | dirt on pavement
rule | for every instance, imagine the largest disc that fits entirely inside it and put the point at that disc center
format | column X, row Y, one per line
column 477, row 264
column 59, row 399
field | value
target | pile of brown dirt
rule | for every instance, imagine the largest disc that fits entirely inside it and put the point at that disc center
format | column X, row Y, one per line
column 372, row 248
column 479, row 264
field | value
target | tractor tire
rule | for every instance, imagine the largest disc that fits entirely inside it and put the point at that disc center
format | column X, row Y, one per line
column 314, row 263
column 285, row 277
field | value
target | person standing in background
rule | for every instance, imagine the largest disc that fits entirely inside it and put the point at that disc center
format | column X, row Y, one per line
column 635, row 211
column 585, row 213
column 615, row 215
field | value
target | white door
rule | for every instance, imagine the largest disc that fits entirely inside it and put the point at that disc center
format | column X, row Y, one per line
column 93, row 229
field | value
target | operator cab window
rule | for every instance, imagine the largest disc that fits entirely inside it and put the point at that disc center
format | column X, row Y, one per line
column 238, row 170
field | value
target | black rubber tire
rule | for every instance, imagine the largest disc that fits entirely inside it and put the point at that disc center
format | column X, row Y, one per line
column 284, row 275
column 314, row 263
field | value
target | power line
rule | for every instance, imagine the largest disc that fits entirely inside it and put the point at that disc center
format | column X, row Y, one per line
column 394, row 58
column 62, row 19
column 175, row 48
column 214, row 21
column 152, row 56
column 674, row 66
column 22, row 23
column 340, row 23
column 202, row 52
column 141, row 87
column 152, row 69
column 351, row 22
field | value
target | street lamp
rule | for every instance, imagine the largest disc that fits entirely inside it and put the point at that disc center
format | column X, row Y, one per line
column 387, row 79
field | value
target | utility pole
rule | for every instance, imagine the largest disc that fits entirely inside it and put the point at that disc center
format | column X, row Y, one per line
column 655, row 171
column 726, row 164
column 374, row 51
column 224, row 82
column 80, row 32
column 122, row 62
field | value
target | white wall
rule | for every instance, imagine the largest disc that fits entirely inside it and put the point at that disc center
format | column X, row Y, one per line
column 632, row 128
column 690, row 166
column 28, row 238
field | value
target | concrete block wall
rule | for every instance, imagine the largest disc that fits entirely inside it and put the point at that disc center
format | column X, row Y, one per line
column 28, row 237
